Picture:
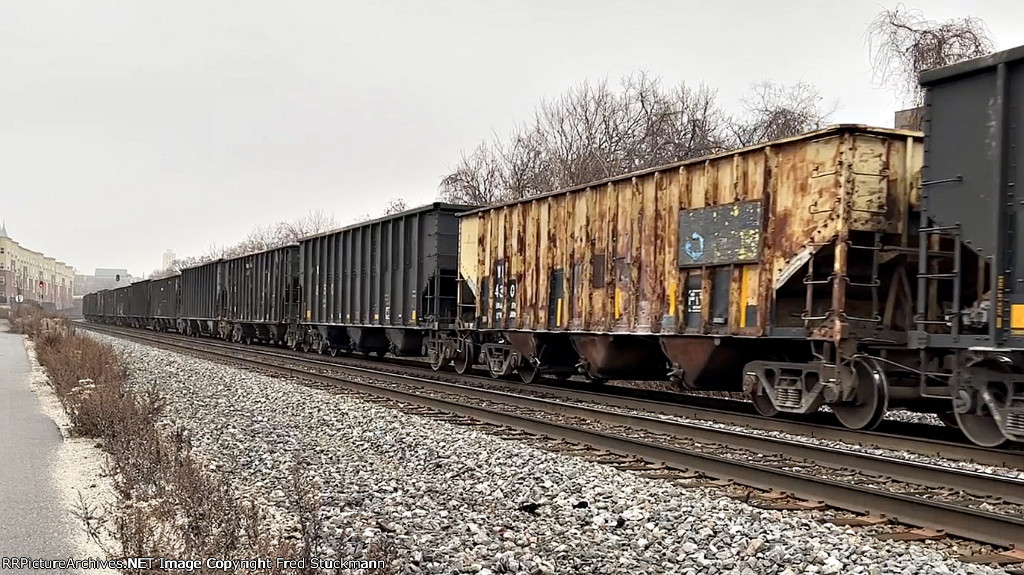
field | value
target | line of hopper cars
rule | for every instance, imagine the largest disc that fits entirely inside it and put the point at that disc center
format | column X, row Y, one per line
column 854, row 267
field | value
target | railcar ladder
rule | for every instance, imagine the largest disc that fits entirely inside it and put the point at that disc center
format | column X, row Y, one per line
column 929, row 274
column 810, row 282
column 871, row 283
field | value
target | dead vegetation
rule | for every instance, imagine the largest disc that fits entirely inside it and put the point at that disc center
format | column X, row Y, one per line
column 167, row 504
column 903, row 43
column 26, row 318
column 261, row 238
column 599, row 130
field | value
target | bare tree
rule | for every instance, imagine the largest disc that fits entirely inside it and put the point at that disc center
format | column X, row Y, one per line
column 475, row 180
column 161, row 274
column 523, row 161
column 314, row 222
column 903, row 43
column 394, row 206
column 262, row 238
column 694, row 126
column 775, row 111
column 595, row 131
column 191, row 261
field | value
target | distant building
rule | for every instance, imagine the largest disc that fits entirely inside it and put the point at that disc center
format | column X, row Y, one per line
column 110, row 272
column 32, row 275
column 169, row 258
column 102, row 278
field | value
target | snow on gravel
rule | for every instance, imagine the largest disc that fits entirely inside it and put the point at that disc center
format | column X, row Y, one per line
column 450, row 497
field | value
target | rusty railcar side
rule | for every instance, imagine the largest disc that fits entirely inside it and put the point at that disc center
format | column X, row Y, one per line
column 647, row 273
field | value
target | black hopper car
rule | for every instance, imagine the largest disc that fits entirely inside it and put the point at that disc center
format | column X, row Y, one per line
column 387, row 285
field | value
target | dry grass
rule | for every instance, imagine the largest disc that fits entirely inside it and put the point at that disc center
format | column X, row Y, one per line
column 25, row 318
column 167, row 504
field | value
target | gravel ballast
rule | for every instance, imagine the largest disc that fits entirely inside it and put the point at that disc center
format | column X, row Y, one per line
column 451, row 499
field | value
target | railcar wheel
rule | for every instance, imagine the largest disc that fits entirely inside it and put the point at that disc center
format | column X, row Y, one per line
column 528, row 372
column 763, row 404
column 495, row 374
column 464, row 361
column 305, row 346
column 334, row 351
column 981, row 429
column 870, row 400
column 437, row 359
column 979, row 425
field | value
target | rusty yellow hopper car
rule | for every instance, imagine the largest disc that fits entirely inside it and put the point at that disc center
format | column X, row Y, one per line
column 777, row 262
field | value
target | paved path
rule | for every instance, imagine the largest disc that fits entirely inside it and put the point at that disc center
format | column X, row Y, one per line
column 33, row 520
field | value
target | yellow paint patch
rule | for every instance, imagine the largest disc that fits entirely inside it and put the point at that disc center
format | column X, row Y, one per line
column 414, row 316
column 672, row 298
column 618, row 303
column 558, row 313
column 744, row 295
column 749, row 244
column 1017, row 316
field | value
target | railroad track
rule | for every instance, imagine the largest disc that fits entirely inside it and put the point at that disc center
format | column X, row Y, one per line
column 981, row 507
column 921, row 439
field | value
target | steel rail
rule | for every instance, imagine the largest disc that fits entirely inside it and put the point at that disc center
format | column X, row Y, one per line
column 882, row 440
column 971, row 523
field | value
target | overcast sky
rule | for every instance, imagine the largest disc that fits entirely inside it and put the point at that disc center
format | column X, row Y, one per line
column 127, row 128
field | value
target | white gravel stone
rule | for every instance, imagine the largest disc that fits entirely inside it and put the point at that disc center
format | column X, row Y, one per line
column 452, row 499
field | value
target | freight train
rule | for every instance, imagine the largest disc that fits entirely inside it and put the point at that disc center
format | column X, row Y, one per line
column 851, row 267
